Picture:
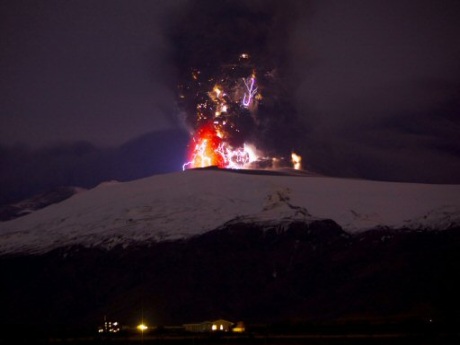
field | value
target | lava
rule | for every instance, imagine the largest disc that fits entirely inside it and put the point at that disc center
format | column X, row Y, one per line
column 223, row 113
column 205, row 149
column 209, row 149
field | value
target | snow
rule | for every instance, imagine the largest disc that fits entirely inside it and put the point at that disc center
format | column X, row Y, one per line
column 180, row 205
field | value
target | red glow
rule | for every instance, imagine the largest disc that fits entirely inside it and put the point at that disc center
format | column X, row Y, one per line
column 204, row 149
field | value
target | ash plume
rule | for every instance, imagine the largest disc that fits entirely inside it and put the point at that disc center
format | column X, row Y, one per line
column 232, row 66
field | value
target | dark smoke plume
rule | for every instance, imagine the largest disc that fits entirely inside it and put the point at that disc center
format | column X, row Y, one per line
column 209, row 41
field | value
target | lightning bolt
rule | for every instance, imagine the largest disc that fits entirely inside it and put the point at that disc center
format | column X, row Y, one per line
column 251, row 91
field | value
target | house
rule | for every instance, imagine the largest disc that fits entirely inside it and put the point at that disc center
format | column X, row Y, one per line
column 209, row 326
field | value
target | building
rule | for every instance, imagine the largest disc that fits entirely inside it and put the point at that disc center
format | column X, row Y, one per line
column 209, row 326
column 109, row 327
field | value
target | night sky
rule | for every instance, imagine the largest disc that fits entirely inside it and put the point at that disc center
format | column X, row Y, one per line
column 88, row 88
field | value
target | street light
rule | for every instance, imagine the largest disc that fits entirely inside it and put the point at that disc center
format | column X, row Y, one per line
column 142, row 327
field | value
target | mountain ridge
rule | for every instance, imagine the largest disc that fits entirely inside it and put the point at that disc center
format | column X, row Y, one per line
column 182, row 205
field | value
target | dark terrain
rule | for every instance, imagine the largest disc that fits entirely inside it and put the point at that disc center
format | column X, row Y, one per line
column 37, row 202
column 295, row 279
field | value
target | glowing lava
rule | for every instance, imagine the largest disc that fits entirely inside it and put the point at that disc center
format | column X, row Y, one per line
column 205, row 149
column 208, row 149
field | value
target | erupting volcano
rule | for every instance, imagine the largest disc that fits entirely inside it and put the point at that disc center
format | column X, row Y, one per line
column 232, row 89
column 225, row 116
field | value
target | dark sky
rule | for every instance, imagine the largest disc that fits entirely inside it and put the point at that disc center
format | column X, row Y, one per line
column 83, row 70
column 376, row 86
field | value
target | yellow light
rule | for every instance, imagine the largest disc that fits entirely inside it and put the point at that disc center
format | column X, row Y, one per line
column 238, row 330
column 214, row 327
column 217, row 91
column 239, row 327
column 142, row 327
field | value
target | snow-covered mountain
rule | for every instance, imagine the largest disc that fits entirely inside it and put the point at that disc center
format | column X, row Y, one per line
column 181, row 205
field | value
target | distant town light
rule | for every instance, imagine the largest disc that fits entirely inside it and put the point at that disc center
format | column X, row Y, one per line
column 142, row 327
column 109, row 327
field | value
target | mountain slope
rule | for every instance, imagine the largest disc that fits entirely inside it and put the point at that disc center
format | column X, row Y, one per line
column 306, row 273
column 181, row 205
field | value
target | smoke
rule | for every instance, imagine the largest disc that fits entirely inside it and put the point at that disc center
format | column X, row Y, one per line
column 256, row 103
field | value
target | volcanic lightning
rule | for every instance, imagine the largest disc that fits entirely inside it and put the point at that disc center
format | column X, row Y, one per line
column 220, row 117
column 225, row 106
column 251, row 91
column 233, row 92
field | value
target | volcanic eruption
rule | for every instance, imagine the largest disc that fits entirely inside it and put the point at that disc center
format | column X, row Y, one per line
column 231, row 91
column 224, row 116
